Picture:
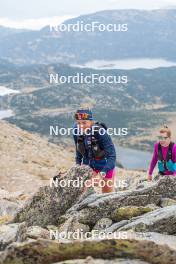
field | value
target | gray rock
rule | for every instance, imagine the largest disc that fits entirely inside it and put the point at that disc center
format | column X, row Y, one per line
column 11, row 233
column 49, row 203
column 71, row 226
column 100, row 206
column 103, row 223
column 162, row 220
column 44, row 251
column 167, row 202
column 90, row 260
column 52, row 227
column 35, row 232
column 116, row 226
column 128, row 212
column 158, row 238
column 8, row 208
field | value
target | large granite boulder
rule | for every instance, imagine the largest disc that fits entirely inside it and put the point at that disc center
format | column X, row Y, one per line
column 50, row 202
column 97, row 206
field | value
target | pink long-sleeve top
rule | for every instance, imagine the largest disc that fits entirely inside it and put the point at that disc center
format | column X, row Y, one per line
column 155, row 158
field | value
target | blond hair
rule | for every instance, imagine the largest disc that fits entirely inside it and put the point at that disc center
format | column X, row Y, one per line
column 165, row 129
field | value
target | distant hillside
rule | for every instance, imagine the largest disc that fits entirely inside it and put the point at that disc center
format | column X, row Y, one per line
column 27, row 160
column 150, row 34
column 6, row 31
column 147, row 100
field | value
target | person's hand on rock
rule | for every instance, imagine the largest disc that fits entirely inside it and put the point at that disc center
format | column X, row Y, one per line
column 149, row 178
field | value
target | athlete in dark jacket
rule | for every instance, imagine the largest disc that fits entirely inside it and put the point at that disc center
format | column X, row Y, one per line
column 94, row 147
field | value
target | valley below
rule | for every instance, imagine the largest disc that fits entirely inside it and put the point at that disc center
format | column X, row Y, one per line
column 42, row 221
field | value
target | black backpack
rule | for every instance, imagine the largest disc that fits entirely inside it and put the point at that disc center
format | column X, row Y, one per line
column 101, row 125
column 94, row 148
column 169, row 154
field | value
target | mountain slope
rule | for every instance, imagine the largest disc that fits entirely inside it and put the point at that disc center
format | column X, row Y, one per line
column 150, row 34
column 144, row 103
column 27, row 160
column 6, row 31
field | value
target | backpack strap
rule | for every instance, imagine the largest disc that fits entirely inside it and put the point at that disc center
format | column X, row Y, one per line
column 160, row 154
column 80, row 146
column 97, row 151
column 101, row 124
column 169, row 153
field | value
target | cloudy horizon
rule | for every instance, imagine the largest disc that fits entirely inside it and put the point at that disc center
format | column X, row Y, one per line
column 18, row 14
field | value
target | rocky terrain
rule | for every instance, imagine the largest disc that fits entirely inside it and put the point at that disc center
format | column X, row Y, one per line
column 42, row 221
column 46, row 219
column 135, row 225
column 27, row 160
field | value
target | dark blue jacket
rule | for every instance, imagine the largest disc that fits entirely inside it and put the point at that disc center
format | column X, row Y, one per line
column 105, row 143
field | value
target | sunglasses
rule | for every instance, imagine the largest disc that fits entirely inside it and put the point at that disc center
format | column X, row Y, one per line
column 82, row 116
column 162, row 138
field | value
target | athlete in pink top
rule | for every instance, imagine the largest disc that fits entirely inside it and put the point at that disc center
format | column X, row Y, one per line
column 164, row 141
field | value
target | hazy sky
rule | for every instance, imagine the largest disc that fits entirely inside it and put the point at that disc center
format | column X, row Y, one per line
column 38, row 13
